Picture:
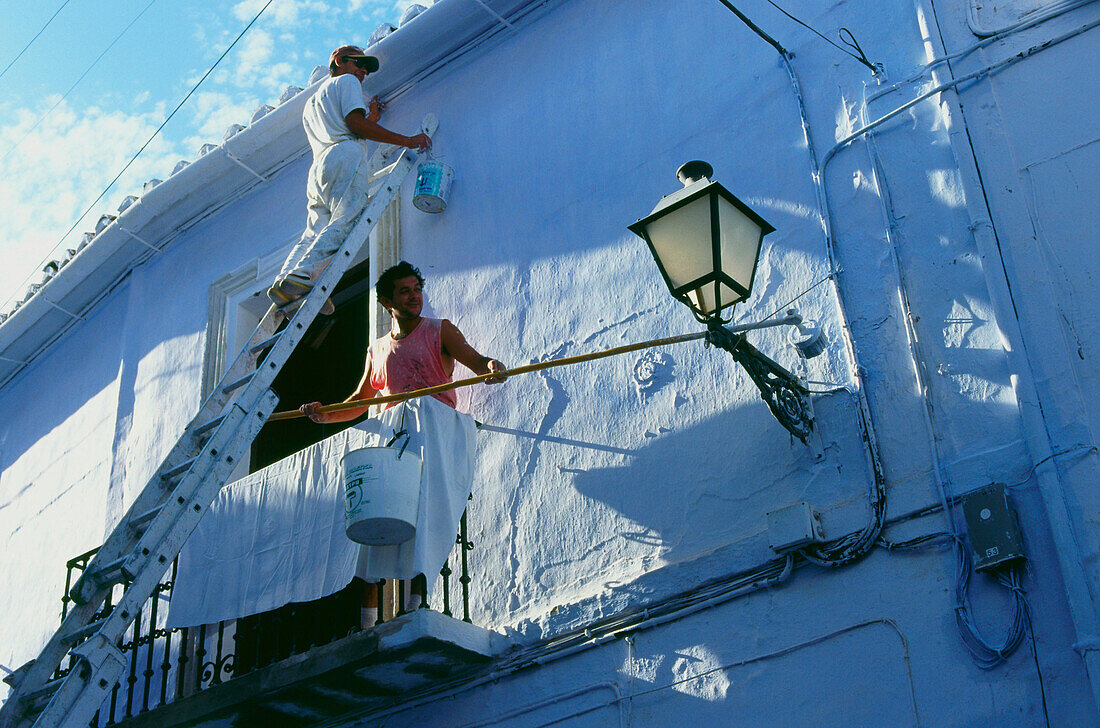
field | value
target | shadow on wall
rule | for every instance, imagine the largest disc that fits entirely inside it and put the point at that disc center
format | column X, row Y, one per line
column 710, row 484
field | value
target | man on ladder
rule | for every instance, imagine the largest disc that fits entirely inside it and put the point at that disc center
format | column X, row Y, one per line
column 418, row 352
column 338, row 127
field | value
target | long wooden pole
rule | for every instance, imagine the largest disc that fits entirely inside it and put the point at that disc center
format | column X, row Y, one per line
column 354, row 404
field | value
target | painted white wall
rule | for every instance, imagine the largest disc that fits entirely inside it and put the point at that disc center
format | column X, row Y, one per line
column 594, row 493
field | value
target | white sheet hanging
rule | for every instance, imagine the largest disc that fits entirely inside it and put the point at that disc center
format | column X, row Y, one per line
column 444, row 440
column 277, row 536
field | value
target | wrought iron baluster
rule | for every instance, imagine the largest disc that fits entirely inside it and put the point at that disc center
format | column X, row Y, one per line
column 276, row 634
column 114, row 704
column 446, row 572
column 380, row 593
column 131, row 680
column 217, row 667
column 181, row 663
column 150, row 645
column 65, row 598
column 464, row 578
column 200, row 654
column 166, row 663
column 257, row 647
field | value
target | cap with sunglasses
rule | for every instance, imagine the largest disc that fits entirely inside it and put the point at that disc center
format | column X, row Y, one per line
column 356, row 55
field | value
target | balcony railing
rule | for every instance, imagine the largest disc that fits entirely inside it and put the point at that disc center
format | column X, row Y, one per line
column 168, row 664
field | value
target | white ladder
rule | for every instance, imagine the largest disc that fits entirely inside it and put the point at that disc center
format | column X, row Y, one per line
column 151, row 534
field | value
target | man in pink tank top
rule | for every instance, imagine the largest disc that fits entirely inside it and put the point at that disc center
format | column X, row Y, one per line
column 417, row 352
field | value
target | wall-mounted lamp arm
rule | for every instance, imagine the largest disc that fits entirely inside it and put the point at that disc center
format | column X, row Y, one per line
column 786, row 396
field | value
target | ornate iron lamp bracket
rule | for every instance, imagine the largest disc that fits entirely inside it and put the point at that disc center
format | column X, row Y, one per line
column 785, row 395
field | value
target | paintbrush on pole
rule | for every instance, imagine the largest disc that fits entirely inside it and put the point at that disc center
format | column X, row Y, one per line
column 525, row 369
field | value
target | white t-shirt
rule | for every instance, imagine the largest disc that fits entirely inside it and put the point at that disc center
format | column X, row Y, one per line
column 323, row 116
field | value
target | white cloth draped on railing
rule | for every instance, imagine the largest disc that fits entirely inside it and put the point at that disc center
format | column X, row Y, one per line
column 277, row 535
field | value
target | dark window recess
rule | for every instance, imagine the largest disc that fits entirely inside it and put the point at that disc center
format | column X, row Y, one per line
column 325, row 367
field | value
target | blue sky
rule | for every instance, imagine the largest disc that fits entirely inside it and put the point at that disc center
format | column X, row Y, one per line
column 51, row 172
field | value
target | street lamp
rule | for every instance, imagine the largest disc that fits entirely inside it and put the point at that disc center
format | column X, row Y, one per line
column 706, row 243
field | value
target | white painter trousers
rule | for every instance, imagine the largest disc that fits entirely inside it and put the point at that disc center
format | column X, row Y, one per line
column 336, row 193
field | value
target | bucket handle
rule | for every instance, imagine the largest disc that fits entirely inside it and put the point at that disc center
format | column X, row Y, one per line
column 396, row 434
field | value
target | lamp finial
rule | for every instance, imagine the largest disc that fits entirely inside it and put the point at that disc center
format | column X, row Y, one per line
column 692, row 172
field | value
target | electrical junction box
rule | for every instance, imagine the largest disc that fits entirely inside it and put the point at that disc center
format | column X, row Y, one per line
column 992, row 526
column 793, row 527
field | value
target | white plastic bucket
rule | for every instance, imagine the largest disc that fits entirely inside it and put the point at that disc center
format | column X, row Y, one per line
column 381, row 495
column 433, row 184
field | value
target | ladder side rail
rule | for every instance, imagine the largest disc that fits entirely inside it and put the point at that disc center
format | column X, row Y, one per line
column 164, row 524
column 126, row 542
column 121, row 539
column 244, row 362
column 384, row 155
column 74, row 707
column 299, row 324
column 42, row 667
column 203, row 482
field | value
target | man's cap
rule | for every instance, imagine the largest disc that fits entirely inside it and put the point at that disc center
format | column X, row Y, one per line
column 354, row 52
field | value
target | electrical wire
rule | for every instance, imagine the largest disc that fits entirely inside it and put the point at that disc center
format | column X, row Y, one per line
column 788, row 303
column 850, row 41
column 32, row 40
column 1038, row 670
column 986, row 655
column 64, row 96
column 155, row 133
column 914, row 543
column 1083, row 449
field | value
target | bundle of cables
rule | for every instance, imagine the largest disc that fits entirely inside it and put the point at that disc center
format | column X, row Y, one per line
column 986, row 655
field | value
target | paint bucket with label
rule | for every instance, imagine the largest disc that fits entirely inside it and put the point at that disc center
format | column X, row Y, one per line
column 381, row 495
column 433, row 184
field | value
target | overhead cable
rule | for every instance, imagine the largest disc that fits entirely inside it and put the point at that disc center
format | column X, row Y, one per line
column 75, row 83
column 854, row 50
column 32, row 40
column 157, row 132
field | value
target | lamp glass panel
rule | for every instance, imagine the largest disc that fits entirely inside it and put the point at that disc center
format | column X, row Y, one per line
column 681, row 240
column 703, row 297
column 740, row 244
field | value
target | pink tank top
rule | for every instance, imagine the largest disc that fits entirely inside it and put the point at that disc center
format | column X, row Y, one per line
column 414, row 362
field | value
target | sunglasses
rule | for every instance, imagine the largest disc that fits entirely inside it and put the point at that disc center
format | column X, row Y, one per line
column 360, row 62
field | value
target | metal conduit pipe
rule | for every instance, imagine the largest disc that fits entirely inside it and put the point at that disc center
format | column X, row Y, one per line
column 1082, row 606
column 877, row 488
column 1005, row 32
column 952, row 84
column 1070, row 565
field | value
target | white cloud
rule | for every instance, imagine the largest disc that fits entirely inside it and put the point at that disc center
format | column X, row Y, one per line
column 56, row 172
column 260, row 67
column 214, row 112
column 285, row 13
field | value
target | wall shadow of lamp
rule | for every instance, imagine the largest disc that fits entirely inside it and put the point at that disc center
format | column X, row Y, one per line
column 706, row 243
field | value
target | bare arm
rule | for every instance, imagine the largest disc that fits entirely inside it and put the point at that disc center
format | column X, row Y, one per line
column 455, row 345
column 367, row 127
column 362, row 391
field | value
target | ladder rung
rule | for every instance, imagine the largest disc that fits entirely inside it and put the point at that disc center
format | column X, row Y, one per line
column 139, row 521
column 86, row 631
column 179, row 469
column 238, row 383
column 107, row 574
column 45, row 691
column 383, row 172
column 209, row 425
column 265, row 344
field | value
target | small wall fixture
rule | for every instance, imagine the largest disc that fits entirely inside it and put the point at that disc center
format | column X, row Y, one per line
column 706, row 243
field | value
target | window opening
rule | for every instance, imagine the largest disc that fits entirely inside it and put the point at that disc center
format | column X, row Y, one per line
column 325, row 367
